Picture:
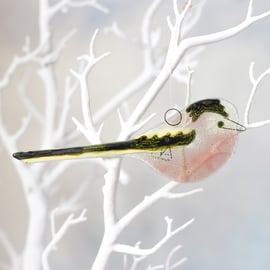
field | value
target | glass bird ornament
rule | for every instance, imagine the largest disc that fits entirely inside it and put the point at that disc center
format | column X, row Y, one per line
column 200, row 141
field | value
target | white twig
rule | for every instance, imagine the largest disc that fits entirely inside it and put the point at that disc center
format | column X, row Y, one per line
column 181, row 73
column 53, row 56
column 189, row 80
column 146, row 34
column 18, row 61
column 91, row 61
column 63, row 4
column 176, row 28
column 179, row 263
column 69, row 91
column 35, row 112
column 156, row 267
column 72, row 203
column 255, row 85
column 143, row 123
column 25, row 123
column 145, row 252
column 9, row 248
column 168, row 265
column 170, row 195
column 193, row 18
column 57, row 236
column 250, row 9
column 92, row 3
column 114, row 28
column 148, row 201
column 92, row 135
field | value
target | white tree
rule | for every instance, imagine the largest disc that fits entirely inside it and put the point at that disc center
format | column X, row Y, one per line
column 40, row 182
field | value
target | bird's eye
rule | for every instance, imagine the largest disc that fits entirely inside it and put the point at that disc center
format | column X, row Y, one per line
column 220, row 124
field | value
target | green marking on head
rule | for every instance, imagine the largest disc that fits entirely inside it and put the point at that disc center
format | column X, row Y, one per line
column 196, row 109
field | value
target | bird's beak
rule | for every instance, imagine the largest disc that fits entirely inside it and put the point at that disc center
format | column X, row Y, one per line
column 231, row 125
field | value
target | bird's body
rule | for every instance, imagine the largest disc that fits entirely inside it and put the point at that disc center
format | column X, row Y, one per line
column 189, row 151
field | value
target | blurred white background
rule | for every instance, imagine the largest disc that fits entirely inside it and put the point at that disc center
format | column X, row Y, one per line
column 232, row 217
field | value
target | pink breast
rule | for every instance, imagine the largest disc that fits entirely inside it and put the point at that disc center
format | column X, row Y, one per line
column 202, row 159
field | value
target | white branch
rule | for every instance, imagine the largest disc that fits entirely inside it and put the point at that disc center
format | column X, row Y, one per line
column 146, row 252
column 69, row 91
column 92, row 135
column 156, row 267
column 92, row 3
column 181, row 50
column 57, row 236
column 25, row 123
column 176, row 28
column 18, row 61
column 29, row 105
column 222, row 35
column 9, row 248
column 193, row 18
column 114, row 28
column 170, row 195
column 53, row 56
column 255, row 85
column 169, row 257
column 250, row 9
column 189, row 79
column 146, row 34
column 63, row 4
column 71, row 203
column 142, row 123
column 91, row 61
column 148, row 201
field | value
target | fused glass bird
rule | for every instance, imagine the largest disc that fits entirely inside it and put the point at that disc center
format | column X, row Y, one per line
column 188, row 148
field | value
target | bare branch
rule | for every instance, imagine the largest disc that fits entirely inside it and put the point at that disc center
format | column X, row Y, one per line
column 91, row 135
column 176, row 28
column 9, row 248
column 148, row 201
column 170, row 195
column 146, row 31
column 63, row 4
column 35, row 112
column 193, row 18
column 190, row 72
column 53, row 56
column 57, row 236
column 18, row 61
column 91, row 60
column 143, row 122
column 250, row 9
column 69, row 91
column 255, row 85
column 156, row 267
column 114, row 28
column 146, row 252
column 92, row 3
column 25, row 123
column 169, row 258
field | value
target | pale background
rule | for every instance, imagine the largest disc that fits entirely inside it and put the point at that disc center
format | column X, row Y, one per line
column 232, row 217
